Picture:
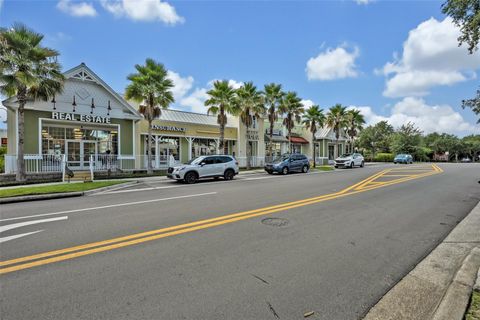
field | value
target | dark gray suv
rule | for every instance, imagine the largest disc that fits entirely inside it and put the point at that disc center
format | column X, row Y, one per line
column 289, row 163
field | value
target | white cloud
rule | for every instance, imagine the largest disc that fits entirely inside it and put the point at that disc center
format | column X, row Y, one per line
column 332, row 64
column 196, row 100
column 233, row 83
column 77, row 9
column 307, row 103
column 143, row 10
column 182, row 85
column 363, row 1
column 429, row 118
column 431, row 57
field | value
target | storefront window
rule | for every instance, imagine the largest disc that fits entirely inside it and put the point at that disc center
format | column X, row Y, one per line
column 54, row 139
column 202, row 147
column 169, row 146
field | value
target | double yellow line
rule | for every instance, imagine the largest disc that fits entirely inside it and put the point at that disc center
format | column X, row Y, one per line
column 120, row 242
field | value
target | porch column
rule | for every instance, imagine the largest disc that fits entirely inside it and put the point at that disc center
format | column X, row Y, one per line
column 190, row 140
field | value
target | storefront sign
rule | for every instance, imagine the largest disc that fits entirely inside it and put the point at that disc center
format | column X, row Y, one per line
column 168, row 128
column 252, row 135
column 80, row 117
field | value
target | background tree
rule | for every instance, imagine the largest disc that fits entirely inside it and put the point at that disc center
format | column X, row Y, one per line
column 250, row 104
column 151, row 87
column 472, row 146
column 273, row 96
column 376, row 138
column 354, row 123
column 474, row 104
column 466, row 15
column 336, row 120
column 28, row 71
column 313, row 119
column 407, row 139
column 291, row 108
column 221, row 103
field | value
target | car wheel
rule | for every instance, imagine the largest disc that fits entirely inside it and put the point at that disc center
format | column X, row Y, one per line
column 190, row 177
column 362, row 164
column 229, row 174
column 270, row 172
column 305, row 169
column 285, row 170
column 394, row 162
column 336, row 167
column 351, row 165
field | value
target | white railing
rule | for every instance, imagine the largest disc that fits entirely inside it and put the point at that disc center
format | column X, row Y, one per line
column 322, row 161
column 64, row 164
column 35, row 163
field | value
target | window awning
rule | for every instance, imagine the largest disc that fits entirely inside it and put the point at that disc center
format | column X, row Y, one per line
column 298, row 140
column 276, row 138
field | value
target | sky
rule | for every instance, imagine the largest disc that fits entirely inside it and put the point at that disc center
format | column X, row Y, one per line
column 394, row 60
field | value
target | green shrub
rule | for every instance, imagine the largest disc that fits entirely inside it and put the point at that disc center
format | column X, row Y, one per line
column 3, row 152
column 384, row 157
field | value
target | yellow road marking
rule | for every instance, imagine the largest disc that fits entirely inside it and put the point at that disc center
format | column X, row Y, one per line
column 115, row 243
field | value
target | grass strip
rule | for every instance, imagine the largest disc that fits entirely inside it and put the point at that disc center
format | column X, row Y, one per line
column 56, row 188
column 473, row 312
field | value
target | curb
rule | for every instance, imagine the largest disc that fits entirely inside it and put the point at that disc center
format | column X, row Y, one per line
column 40, row 197
column 439, row 287
column 455, row 302
column 61, row 195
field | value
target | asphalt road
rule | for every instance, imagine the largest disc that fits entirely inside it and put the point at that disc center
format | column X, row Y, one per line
column 258, row 247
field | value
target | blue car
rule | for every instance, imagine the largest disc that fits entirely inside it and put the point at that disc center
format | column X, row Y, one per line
column 403, row 158
column 289, row 163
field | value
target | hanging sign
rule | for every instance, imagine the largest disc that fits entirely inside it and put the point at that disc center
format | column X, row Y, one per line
column 168, row 128
column 252, row 135
column 80, row 117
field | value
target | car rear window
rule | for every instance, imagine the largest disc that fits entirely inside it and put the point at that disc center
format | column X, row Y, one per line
column 223, row 159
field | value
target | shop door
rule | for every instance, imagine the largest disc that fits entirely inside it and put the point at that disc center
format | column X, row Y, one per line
column 89, row 148
column 331, row 152
column 78, row 153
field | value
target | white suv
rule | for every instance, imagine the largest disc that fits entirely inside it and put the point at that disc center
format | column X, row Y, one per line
column 214, row 166
column 349, row 160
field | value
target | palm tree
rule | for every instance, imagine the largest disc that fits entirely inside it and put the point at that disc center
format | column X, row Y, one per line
column 273, row 96
column 28, row 71
column 354, row 124
column 152, row 88
column 249, row 104
column 313, row 119
column 336, row 121
column 221, row 102
column 292, row 109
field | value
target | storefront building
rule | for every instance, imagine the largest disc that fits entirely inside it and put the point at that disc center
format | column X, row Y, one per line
column 88, row 119
column 302, row 141
column 91, row 127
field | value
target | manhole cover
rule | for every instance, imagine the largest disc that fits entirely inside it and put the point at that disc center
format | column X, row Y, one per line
column 275, row 222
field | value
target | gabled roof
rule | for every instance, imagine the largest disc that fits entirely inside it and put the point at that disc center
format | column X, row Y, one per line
column 82, row 72
column 191, row 117
column 327, row 133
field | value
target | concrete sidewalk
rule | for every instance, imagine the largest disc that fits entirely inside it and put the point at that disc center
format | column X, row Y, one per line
column 439, row 287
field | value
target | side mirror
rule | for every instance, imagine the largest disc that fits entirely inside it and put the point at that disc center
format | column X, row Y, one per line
column 202, row 164
column 290, row 160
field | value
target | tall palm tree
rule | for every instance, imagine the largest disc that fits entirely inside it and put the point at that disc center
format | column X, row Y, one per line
column 151, row 87
column 28, row 71
column 292, row 109
column 336, row 120
column 250, row 104
column 314, row 119
column 221, row 102
column 273, row 96
column 354, row 124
